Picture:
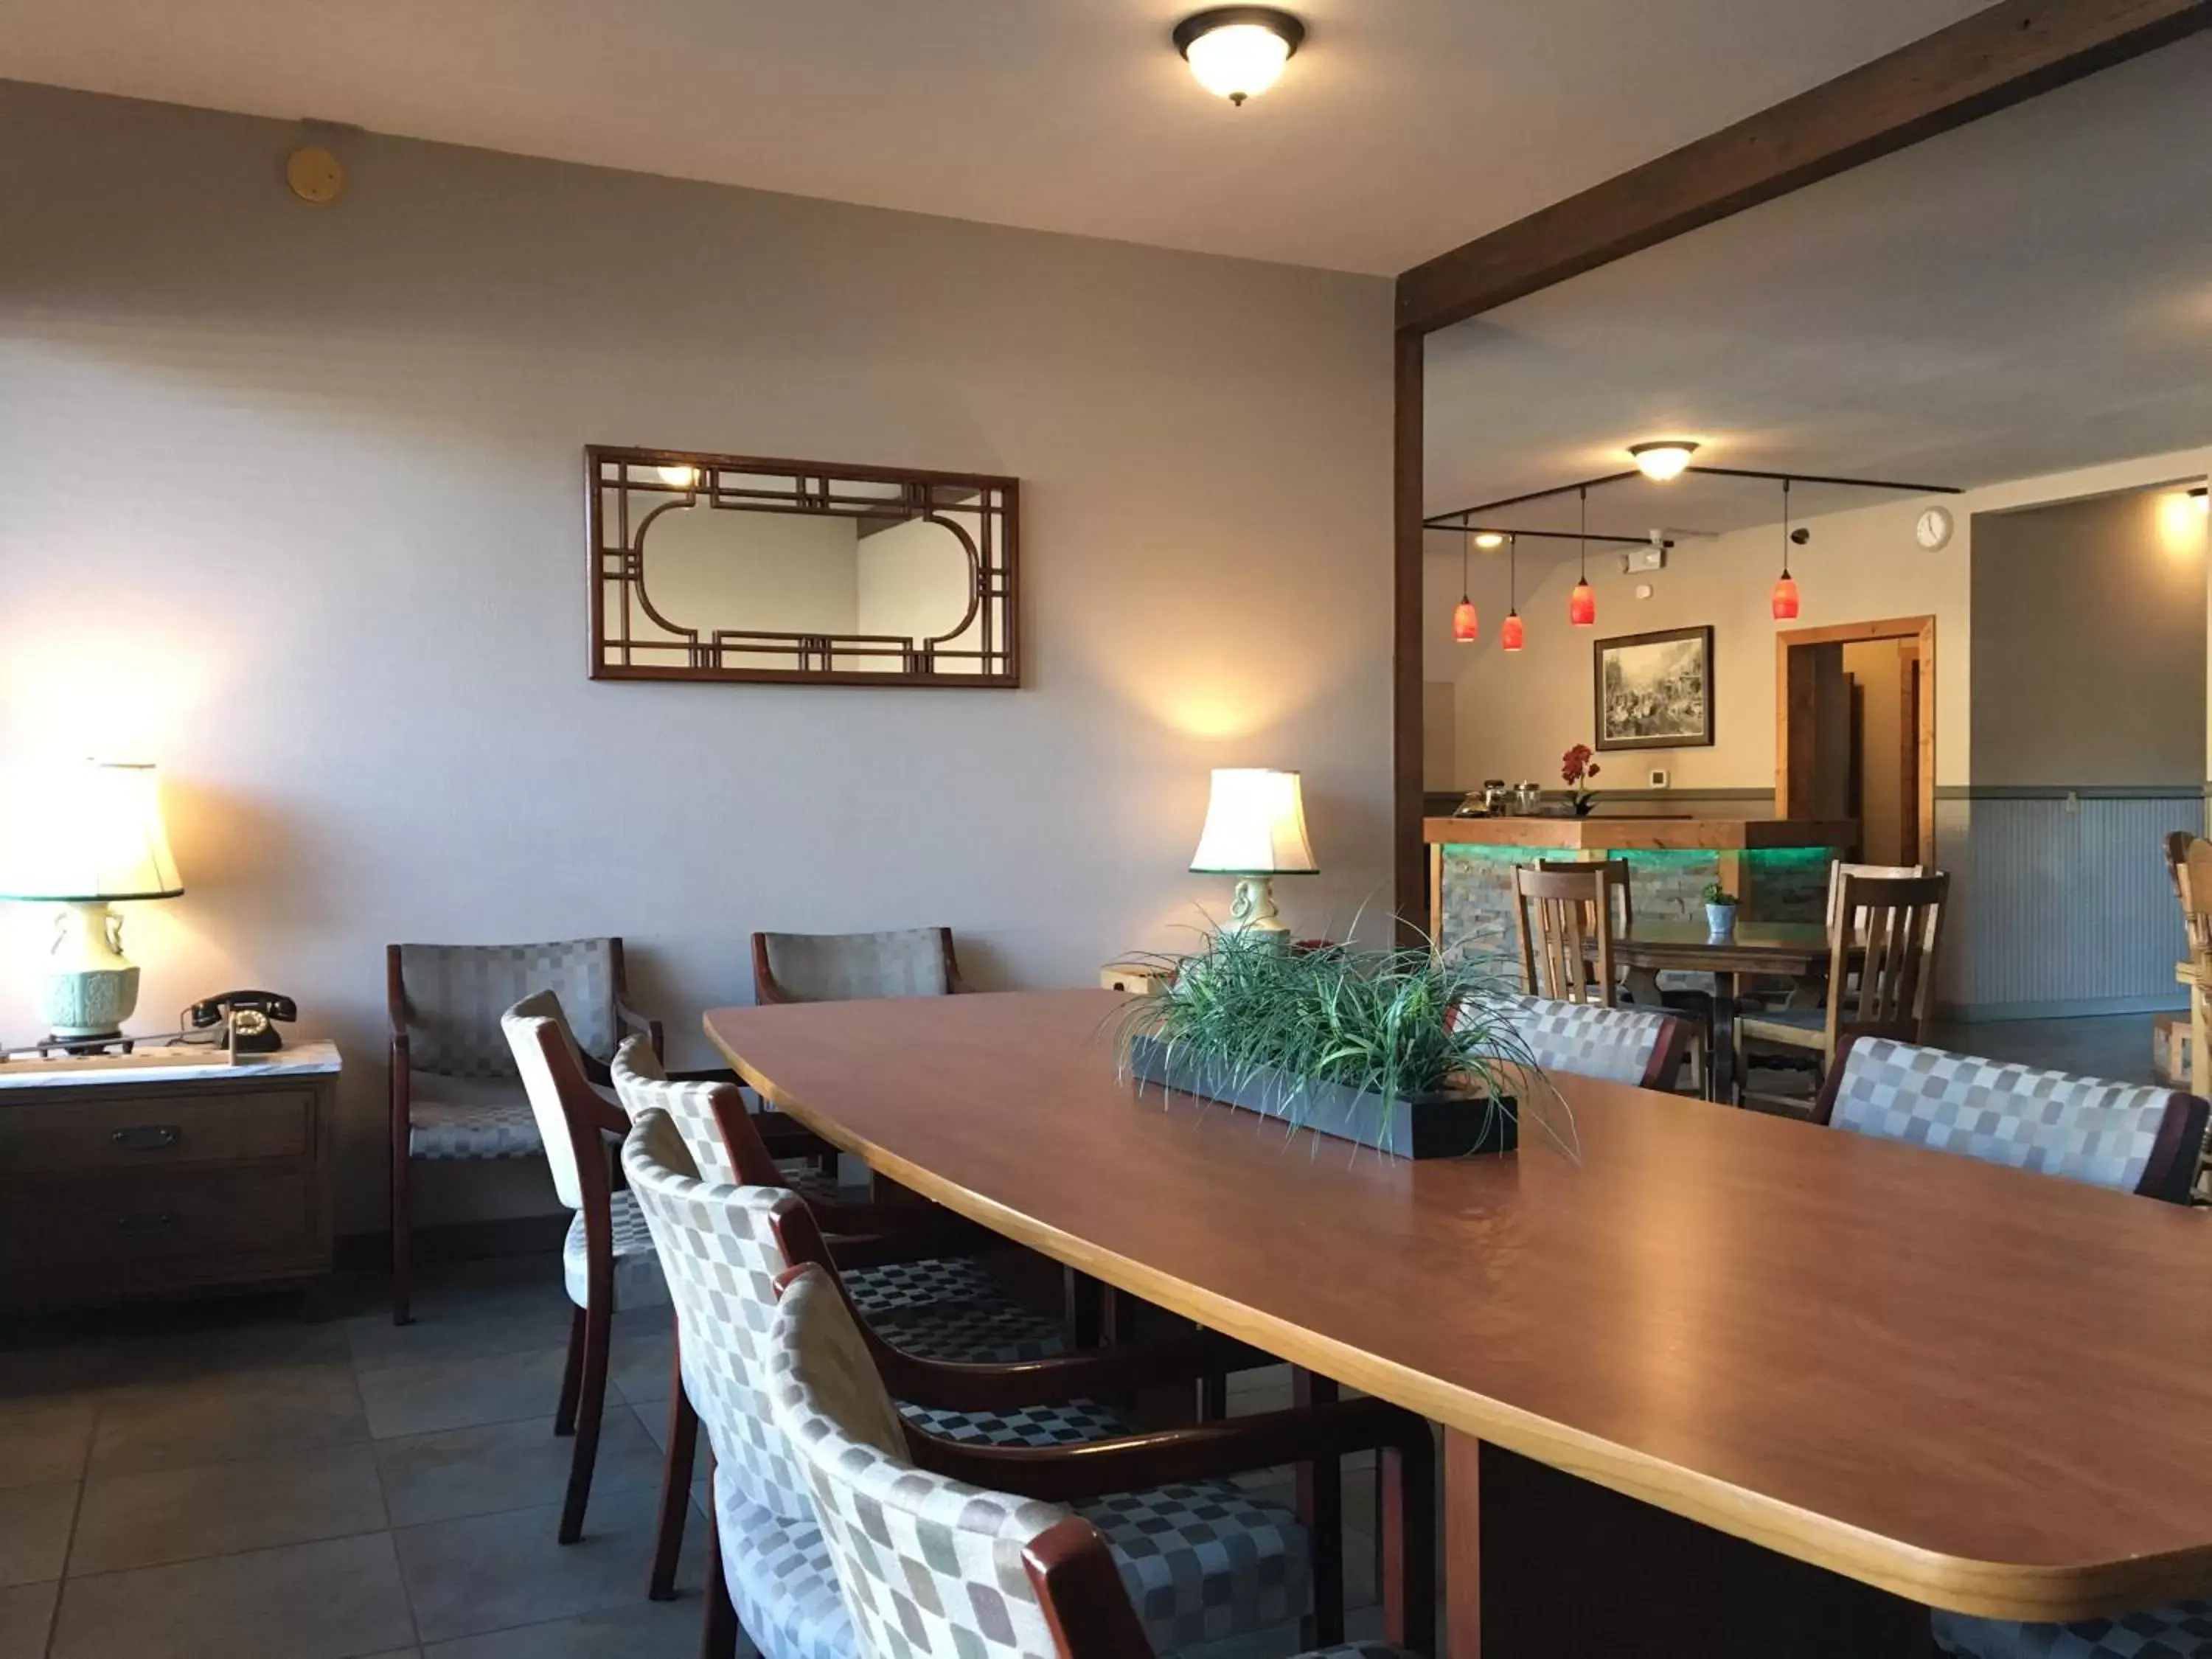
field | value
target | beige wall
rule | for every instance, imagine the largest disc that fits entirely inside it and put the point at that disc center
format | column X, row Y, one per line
column 2089, row 642
column 1516, row 714
column 293, row 508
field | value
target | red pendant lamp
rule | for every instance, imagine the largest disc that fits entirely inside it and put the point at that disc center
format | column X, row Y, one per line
column 1464, row 623
column 1785, row 587
column 1509, row 631
column 1582, row 604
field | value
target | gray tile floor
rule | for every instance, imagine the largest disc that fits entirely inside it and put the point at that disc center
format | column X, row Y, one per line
column 222, row 1481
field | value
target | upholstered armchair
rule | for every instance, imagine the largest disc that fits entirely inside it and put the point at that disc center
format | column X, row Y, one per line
column 456, row 1093
column 1236, row 1564
column 2125, row 1136
column 2122, row 1136
column 1619, row 1044
column 909, row 962
column 930, row 1561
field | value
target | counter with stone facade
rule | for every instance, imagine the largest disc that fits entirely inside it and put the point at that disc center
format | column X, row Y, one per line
column 1778, row 868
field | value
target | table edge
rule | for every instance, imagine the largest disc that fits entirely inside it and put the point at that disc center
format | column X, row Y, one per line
column 1988, row 1590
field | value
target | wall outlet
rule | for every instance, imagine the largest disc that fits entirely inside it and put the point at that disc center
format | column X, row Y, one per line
column 1659, row 779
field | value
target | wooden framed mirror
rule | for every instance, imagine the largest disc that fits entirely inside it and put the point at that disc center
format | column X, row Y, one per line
column 736, row 568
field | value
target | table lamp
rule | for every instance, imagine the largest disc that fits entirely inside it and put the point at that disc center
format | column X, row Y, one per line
column 1255, row 830
column 88, row 836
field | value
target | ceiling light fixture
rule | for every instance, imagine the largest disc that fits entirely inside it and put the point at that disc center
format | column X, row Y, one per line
column 1663, row 457
column 1509, row 631
column 1489, row 538
column 1582, row 604
column 2203, row 497
column 1465, row 624
column 1785, row 588
column 1238, row 52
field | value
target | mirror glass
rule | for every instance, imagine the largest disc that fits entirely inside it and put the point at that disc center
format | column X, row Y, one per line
column 717, row 567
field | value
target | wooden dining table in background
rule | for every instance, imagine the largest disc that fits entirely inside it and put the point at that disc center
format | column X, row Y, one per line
column 1786, row 950
column 1721, row 1383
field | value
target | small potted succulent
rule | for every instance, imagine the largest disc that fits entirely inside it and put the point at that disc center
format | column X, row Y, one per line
column 1720, row 911
column 1576, row 767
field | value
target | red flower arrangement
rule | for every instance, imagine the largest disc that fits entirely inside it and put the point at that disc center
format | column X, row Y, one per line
column 1576, row 767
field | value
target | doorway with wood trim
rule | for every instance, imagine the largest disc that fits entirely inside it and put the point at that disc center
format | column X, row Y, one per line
column 1854, row 733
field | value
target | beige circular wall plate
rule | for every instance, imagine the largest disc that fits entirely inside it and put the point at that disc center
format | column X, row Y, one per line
column 315, row 174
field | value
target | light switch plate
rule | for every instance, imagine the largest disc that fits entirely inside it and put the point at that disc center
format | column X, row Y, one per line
column 1659, row 779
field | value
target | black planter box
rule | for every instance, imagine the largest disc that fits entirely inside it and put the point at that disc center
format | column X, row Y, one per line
column 1421, row 1125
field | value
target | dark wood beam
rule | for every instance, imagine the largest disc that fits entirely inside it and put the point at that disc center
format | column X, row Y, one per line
column 1409, row 863
column 1988, row 62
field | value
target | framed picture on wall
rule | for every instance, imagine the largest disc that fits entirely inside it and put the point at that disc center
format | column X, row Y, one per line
column 1655, row 690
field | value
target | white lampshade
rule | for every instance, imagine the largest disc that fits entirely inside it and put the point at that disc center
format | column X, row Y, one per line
column 1256, row 825
column 86, row 833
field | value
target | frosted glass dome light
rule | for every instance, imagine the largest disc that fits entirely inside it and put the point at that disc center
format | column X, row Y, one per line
column 1238, row 52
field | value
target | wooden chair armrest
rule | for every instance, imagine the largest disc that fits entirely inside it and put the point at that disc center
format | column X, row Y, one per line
column 885, row 1249
column 629, row 1022
column 948, row 1385
column 1061, row 1474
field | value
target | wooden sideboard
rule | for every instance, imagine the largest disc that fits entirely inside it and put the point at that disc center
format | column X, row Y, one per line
column 164, row 1182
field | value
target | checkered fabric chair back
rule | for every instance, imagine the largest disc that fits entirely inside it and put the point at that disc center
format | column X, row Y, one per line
column 521, row 1025
column 642, row 1087
column 928, row 1564
column 1614, row 1043
column 455, row 994
column 857, row 967
column 721, row 1258
column 2078, row 1127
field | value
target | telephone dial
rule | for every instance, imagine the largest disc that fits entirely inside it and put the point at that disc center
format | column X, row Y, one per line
column 249, row 1017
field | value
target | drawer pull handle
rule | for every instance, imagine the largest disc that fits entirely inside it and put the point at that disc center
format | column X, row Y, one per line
column 148, row 1137
column 141, row 1226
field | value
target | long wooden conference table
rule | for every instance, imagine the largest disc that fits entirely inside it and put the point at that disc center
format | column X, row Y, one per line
column 1728, row 1384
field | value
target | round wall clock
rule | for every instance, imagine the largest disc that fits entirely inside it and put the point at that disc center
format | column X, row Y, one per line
column 1933, row 528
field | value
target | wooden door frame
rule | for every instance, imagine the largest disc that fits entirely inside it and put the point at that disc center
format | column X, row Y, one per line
column 1919, row 629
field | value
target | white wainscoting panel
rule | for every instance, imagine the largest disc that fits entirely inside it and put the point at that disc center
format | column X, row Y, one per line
column 2068, row 900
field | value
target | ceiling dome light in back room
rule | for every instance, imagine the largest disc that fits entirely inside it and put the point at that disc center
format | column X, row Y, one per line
column 1238, row 52
column 1663, row 457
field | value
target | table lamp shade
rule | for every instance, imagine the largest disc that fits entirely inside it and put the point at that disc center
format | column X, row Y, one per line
column 1256, row 825
column 88, row 833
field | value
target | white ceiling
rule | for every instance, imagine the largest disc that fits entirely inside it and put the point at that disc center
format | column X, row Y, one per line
column 1401, row 128
column 2028, row 295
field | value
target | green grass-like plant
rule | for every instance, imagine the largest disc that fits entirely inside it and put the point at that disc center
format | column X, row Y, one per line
column 1377, row 1022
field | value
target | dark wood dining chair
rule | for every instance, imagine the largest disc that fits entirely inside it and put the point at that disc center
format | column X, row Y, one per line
column 919, row 1530
column 1882, row 956
column 1565, row 921
column 1641, row 985
column 455, row 1093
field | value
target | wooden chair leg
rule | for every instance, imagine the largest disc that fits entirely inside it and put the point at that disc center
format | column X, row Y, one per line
column 720, row 1638
column 572, row 1376
column 675, row 1488
column 1213, row 1398
column 1321, row 1509
column 1406, row 1519
column 591, row 1406
column 402, row 1230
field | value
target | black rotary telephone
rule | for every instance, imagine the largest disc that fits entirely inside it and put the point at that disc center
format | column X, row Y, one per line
column 249, row 1016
